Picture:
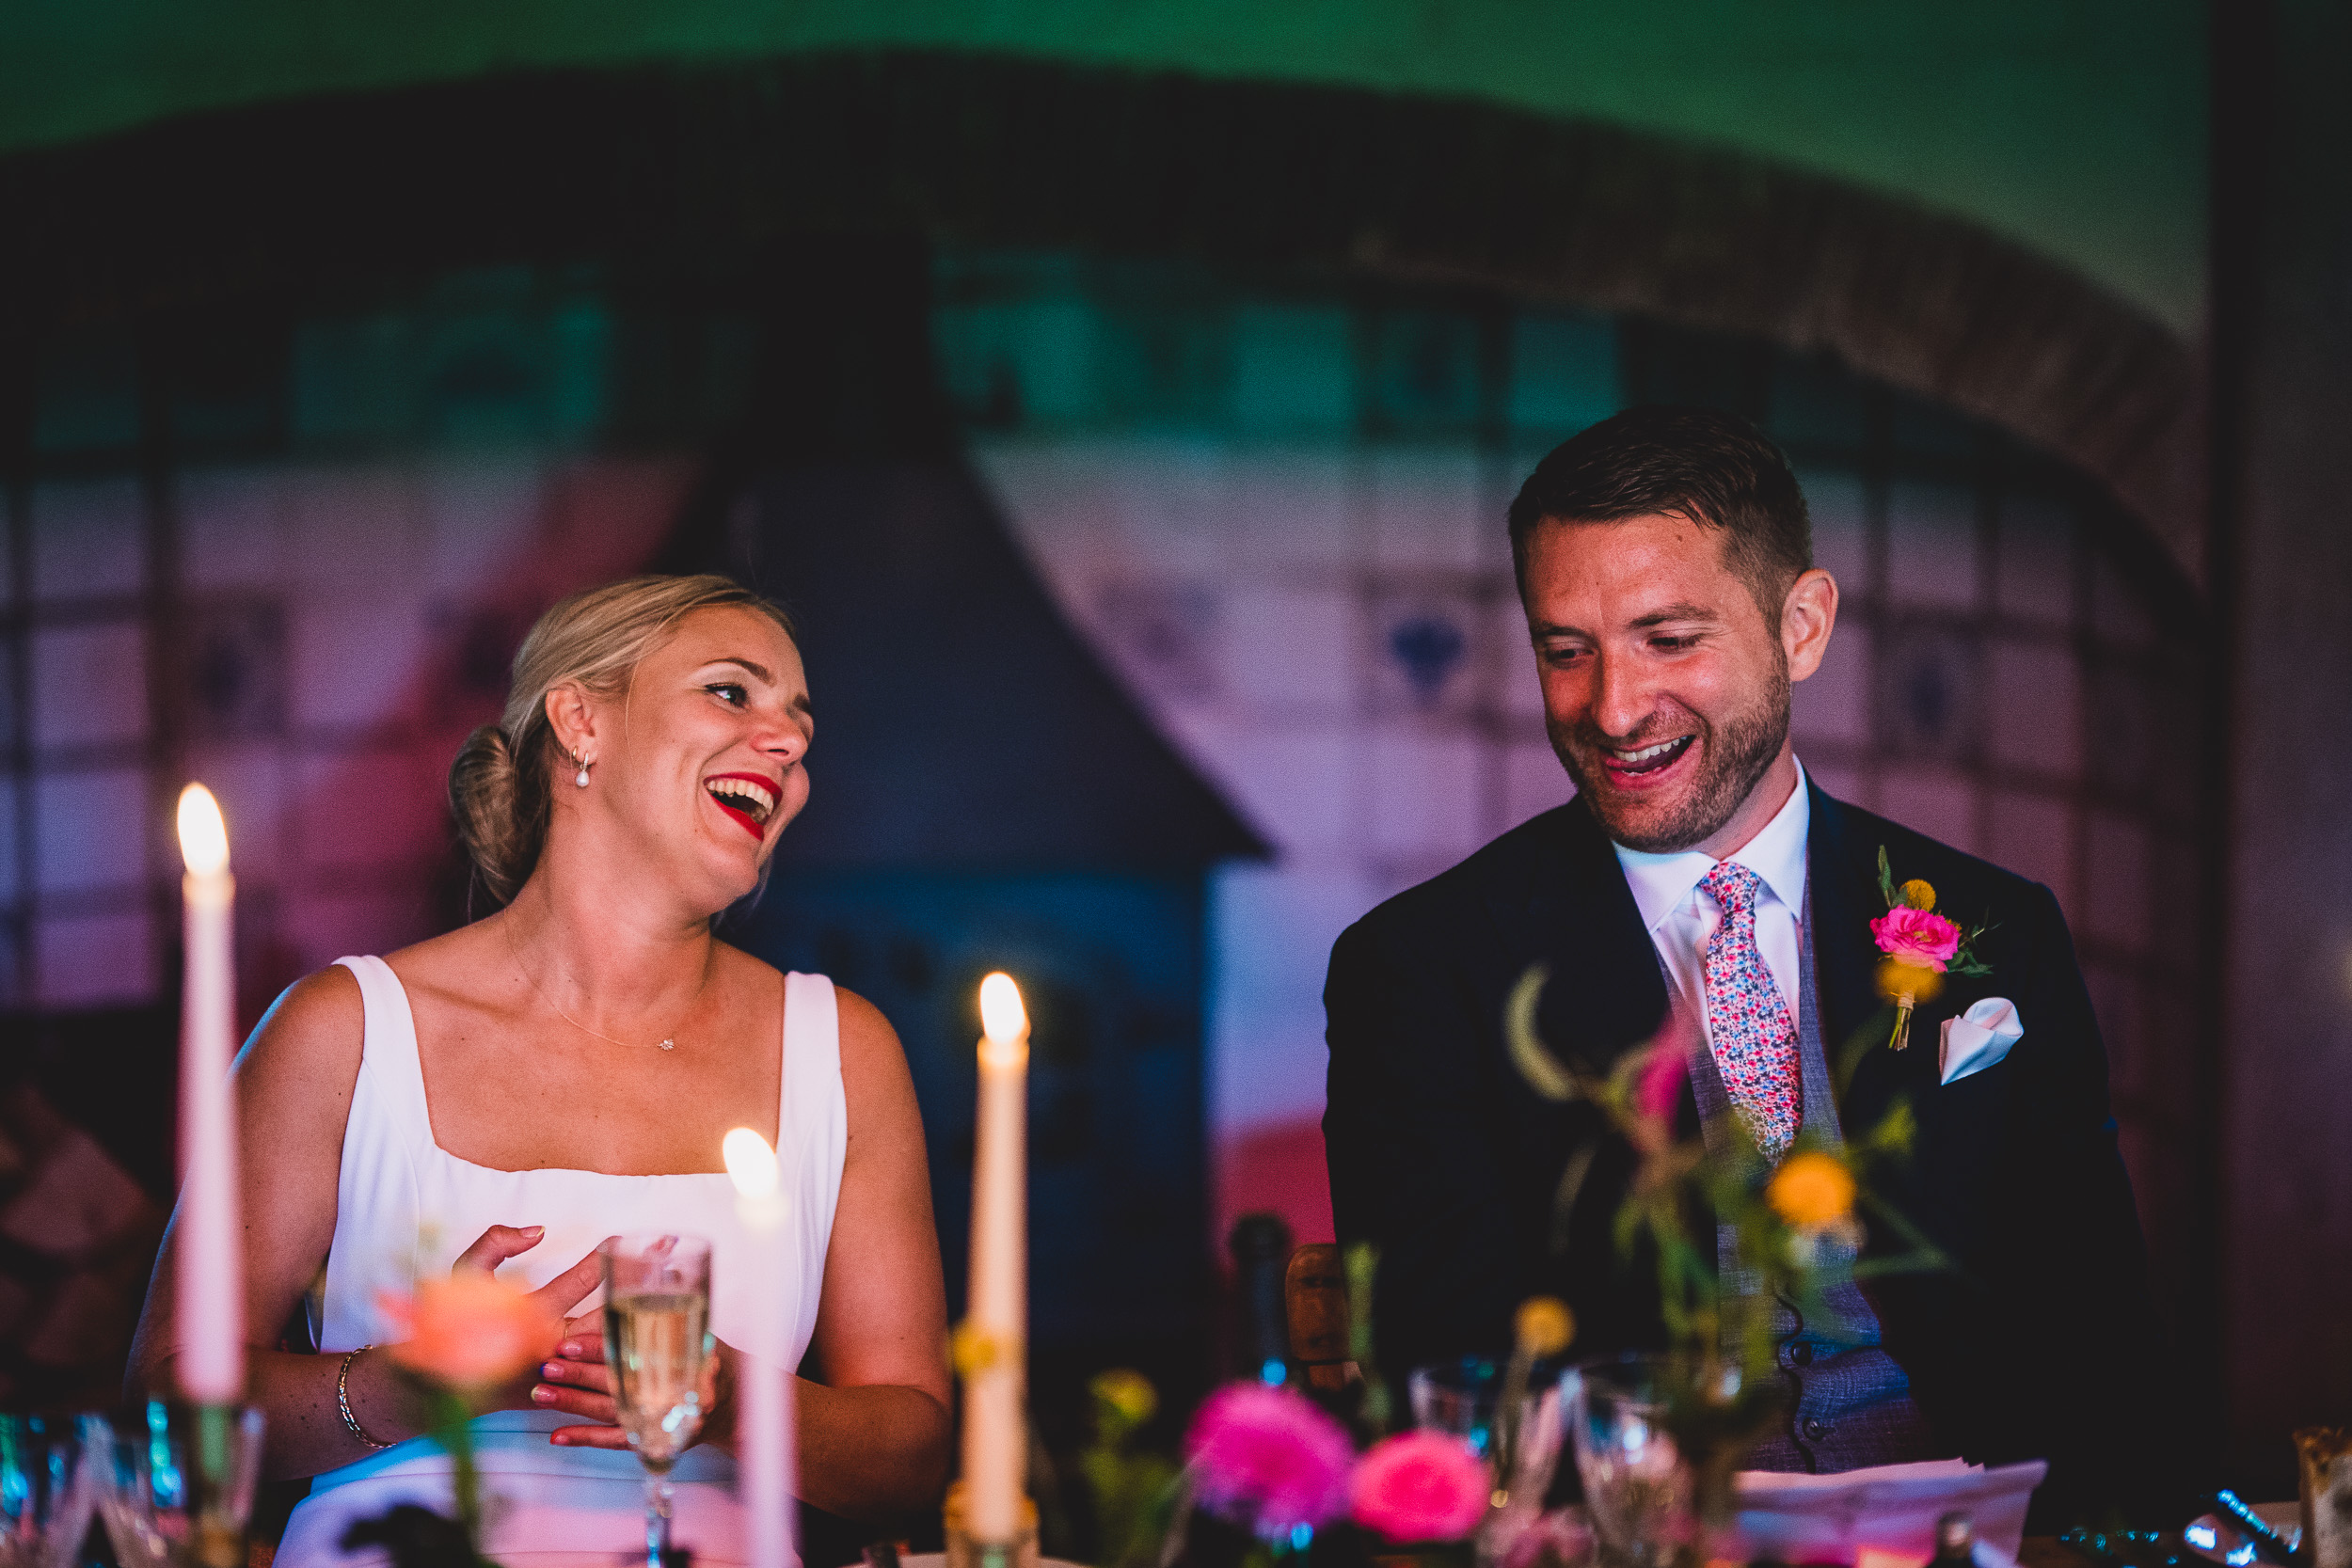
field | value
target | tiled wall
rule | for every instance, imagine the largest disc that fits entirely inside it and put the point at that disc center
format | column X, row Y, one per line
column 1273, row 504
column 300, row 588
column 1279, row 516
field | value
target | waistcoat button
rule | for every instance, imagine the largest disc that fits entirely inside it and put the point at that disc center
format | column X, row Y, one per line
column 1802, row 1353
column 1814, row 1426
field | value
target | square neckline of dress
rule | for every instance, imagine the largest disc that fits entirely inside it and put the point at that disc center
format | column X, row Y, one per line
column 415, row 1065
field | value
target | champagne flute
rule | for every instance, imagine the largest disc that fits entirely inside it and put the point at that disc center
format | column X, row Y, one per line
column 657, row 1341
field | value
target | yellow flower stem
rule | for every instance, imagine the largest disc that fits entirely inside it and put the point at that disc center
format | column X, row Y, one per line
column 1902, row 1021
column 1515, row 1379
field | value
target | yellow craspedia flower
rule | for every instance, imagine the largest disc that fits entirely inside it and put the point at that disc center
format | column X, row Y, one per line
column 975, row 1350
column 1917, row 893
column 1126, row 1392
column 1811, row 1189
column 1545, row 1325
column 1899, row 980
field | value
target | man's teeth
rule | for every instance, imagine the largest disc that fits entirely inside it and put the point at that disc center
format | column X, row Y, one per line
column 1647, row 752
column 747, row 796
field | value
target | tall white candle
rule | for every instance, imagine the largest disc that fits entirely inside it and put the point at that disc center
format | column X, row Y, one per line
column 764, row 1439
column 996, row 1448
column 207, row 1251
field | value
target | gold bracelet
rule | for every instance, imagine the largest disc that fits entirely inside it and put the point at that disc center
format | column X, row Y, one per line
column 342, row 1400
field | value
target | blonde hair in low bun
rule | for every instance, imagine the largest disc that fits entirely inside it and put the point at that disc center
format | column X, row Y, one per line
column 501, row 784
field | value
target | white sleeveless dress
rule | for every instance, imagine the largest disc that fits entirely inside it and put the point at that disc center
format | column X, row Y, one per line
column 404, row 1209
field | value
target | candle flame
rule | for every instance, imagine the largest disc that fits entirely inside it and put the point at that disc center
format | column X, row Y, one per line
column 751, row 1163
column 1001, row 1013
column 203, row 836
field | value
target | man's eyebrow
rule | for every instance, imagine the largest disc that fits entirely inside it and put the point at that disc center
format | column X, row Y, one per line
column 1675, row 613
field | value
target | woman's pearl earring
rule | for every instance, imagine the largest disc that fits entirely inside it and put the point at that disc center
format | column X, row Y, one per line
column 581, row 777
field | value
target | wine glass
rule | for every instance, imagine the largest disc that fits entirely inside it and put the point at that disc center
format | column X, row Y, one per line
column 1636, row 1482
column 174, row 1484
column 657, row 1341
column 1465, row 1400
column 44, row 1492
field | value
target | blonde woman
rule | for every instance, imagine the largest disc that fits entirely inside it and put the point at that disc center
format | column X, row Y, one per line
column 508, row 1095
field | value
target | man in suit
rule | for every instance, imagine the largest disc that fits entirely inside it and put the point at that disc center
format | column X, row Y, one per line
column 1665, row 560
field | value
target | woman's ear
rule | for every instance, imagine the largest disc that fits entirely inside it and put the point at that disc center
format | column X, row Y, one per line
column 573, row 717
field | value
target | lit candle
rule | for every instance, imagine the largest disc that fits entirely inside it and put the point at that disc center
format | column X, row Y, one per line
column 208, row 1254
column 996, row 1320
column 764, row 1439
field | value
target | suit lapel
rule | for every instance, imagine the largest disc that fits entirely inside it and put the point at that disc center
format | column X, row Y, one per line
column 1846, row 899
column 1578, row 917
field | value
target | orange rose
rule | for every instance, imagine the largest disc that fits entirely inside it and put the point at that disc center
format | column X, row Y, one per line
column 469, row 1331
column 1811, row 1189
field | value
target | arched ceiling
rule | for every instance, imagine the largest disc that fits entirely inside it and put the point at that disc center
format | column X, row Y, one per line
column 2077, row 128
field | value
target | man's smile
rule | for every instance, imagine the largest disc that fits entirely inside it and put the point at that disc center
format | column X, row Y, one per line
column 1647, row 767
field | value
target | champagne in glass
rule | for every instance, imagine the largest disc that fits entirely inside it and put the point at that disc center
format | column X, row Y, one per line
column 657, row 1340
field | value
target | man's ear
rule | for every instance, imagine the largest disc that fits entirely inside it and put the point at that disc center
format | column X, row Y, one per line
column 1808, row 613
column 573, row 717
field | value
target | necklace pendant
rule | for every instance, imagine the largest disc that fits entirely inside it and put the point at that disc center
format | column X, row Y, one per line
column 669, row 1045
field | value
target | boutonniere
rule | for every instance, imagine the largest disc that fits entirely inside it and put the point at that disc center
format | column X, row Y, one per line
column 1921, row 947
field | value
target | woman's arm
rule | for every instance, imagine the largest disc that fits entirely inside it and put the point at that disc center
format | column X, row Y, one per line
column 873, row 1437
column 293, row 1086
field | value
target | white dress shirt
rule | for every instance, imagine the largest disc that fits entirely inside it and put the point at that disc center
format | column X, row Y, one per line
column 1681, row 916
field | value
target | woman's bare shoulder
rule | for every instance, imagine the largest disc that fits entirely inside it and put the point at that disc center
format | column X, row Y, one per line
column 865, row 1033
column 309, row 1042
column 875, row 1082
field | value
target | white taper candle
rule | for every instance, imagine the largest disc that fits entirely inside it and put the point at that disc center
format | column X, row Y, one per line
column 996, row 1448
column 764, row 1440
column 207, row 1251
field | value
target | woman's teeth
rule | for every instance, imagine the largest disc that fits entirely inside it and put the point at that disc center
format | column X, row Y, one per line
column 744, row 796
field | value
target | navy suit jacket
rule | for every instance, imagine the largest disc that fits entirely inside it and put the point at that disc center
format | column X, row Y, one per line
column 2041, row 1342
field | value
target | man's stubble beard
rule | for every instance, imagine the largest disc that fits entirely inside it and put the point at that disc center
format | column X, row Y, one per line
column 1734, row 758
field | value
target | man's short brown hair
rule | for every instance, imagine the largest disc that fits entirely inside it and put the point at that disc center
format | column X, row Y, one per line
column 1697, row 463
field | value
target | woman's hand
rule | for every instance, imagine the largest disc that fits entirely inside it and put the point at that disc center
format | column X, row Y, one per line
column 558, row 1296
column 578, row 1381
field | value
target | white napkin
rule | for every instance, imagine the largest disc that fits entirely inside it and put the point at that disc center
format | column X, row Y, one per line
column 1889, row 1508
column 1978, row 1037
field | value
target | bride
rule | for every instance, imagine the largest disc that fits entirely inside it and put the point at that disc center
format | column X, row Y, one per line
column 505, row 1096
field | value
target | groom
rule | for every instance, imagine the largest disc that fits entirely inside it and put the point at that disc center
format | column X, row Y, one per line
column 1664, row 561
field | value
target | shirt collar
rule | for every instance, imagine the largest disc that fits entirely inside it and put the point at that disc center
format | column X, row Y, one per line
column 1661, row 884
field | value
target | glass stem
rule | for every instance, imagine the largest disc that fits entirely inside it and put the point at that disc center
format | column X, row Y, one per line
column 657, row 1518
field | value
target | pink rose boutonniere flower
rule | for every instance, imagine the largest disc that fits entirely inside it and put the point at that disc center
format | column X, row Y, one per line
column 1921, row 946
column 1420, row 1487
column 1268, row 1458
column 1919, row 937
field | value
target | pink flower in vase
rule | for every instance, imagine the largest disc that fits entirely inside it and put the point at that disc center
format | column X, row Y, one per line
column 1268, row 1457
column 1916, row 937
column 1420, row 1487
column 1660, row 1083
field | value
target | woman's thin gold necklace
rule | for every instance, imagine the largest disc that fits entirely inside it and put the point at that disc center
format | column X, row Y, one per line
column 667, row 1042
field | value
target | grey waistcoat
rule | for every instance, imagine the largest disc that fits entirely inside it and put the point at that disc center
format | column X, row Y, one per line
column 1851, row 1402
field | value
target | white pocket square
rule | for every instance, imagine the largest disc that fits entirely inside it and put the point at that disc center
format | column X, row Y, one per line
column 1978, row 1037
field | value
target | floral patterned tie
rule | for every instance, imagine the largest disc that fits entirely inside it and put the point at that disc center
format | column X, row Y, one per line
column 1754, row 1040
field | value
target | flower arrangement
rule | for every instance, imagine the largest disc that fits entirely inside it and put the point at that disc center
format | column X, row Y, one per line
column 462, row 1341
column 1781, row 1222
column 1296, row 1469
column 1274, row 1461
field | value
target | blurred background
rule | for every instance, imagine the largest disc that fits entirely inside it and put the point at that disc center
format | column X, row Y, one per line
column 1125, row 396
